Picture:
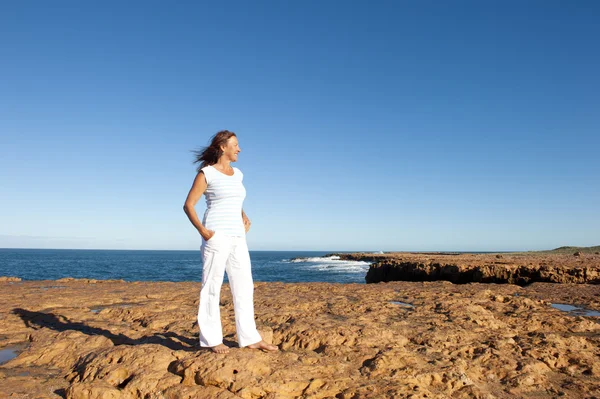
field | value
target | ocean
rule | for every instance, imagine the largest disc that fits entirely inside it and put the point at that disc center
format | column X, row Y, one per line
column 284, row 266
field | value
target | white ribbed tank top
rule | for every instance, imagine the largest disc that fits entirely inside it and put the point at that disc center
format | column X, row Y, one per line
column 224, row 199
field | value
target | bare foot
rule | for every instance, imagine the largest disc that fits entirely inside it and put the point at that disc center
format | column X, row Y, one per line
column 263, row 346
column 221, row 348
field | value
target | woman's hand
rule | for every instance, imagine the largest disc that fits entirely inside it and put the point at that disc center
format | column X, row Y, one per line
column 207, row 234
column 247, row 223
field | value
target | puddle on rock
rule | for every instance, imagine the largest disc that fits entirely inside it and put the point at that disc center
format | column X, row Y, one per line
column 9, row 353
column 47, row 287
column 575, row 310
column 98, row 309
column 403, row 304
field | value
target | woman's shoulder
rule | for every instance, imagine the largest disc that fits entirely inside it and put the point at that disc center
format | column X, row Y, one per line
column 208, row 172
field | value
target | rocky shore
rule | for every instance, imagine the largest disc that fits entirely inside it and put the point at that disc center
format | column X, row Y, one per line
column 521, row 268
column 112, row 339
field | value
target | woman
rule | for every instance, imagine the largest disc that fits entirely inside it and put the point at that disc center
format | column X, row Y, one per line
column 223, row 230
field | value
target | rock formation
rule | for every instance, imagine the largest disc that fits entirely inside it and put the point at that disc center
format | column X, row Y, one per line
column 520, row 269
column 92, row 339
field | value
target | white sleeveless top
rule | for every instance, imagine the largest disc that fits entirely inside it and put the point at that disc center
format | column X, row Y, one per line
column 224, row 198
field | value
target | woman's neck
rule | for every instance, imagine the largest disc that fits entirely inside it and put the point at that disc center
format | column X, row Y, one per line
column 224, row 164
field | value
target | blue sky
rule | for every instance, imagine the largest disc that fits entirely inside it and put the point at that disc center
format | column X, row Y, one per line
column 396, row 125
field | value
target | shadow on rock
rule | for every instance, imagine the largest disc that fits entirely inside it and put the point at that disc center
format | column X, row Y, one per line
column 60, row 323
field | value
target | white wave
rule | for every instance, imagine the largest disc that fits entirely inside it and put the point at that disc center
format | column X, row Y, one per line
column 333, row 264
column 340, row 268
column 323, row 259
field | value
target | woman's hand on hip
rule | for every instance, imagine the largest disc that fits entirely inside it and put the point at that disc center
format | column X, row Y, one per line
column 207, row 234
column 247, row 224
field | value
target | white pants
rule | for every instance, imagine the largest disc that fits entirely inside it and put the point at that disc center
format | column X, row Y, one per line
column 220, row 253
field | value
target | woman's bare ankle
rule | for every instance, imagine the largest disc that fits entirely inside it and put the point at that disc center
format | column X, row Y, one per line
column 262, row 345
column 221, row 348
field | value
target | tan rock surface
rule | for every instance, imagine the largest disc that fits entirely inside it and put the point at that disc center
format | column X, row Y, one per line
column 518, row 268
column 92, row 339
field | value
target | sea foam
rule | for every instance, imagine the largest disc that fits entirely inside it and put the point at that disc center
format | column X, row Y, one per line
column 332, row 264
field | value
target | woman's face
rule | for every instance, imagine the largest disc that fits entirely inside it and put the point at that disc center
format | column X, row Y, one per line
column 232, row 149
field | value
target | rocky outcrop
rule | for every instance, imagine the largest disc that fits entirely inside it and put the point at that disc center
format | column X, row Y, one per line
column 8, row 278
column 401, row 339
column 521, row 269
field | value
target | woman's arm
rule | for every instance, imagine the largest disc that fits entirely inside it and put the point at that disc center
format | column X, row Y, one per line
column 247, row 221
column 198, row 188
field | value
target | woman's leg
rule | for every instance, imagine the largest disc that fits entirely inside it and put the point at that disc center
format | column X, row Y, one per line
column 239, row 274
column 214, row 257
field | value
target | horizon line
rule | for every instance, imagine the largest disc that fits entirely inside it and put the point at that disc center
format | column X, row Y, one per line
column 278, row 250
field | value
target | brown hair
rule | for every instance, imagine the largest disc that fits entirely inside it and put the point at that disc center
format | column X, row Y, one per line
column 210, row 155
